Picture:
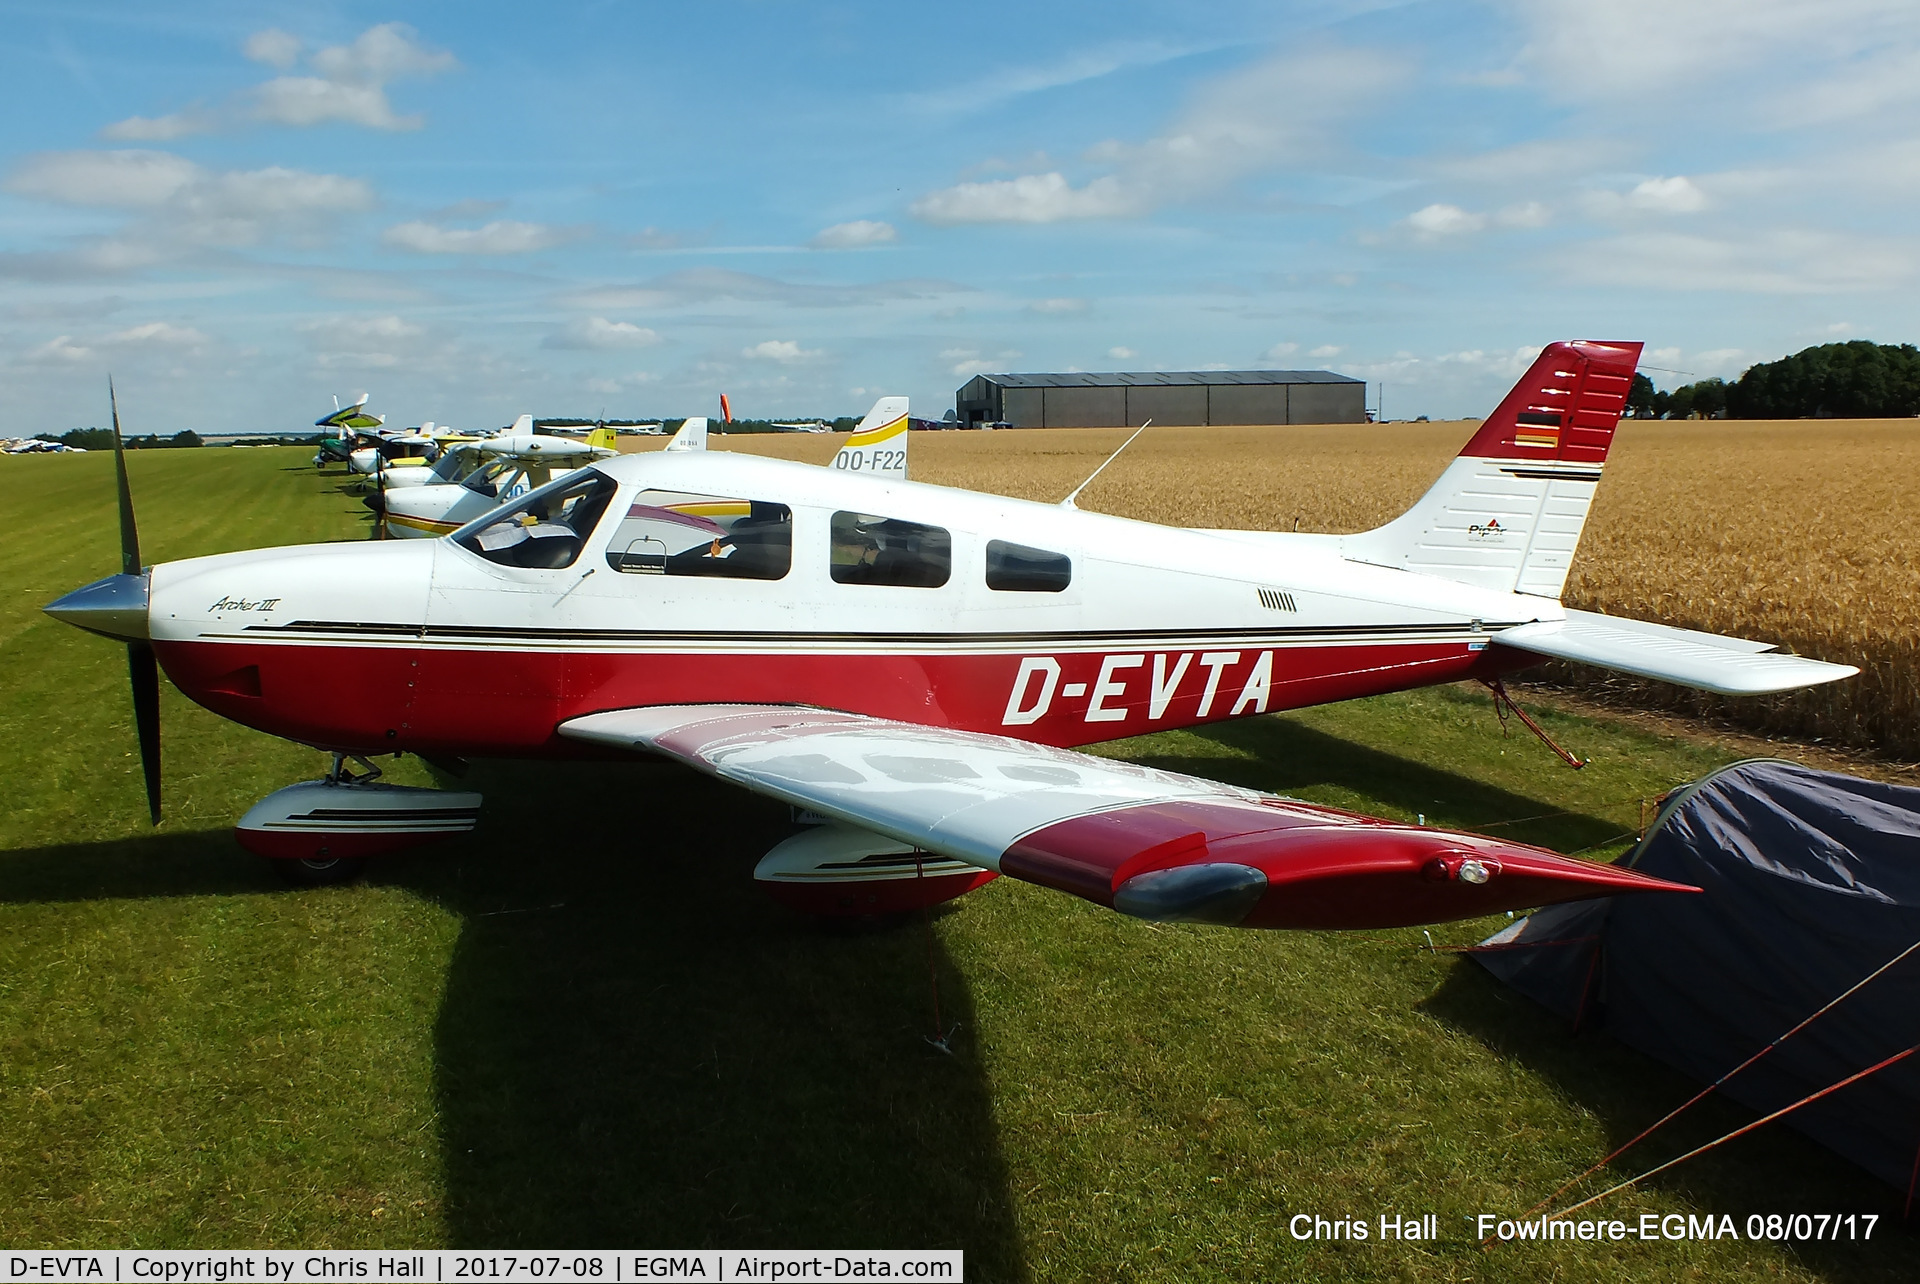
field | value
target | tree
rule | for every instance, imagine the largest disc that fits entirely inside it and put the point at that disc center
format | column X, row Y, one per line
column 1855, row 380
column 85, row 438
column 1640, row 397
column 187, row 437
column 1706, row 399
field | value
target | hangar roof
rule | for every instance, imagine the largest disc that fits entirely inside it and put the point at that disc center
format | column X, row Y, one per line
column 1149, row 378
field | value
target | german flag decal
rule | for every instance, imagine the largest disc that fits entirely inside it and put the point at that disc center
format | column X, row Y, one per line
column 1547, row 439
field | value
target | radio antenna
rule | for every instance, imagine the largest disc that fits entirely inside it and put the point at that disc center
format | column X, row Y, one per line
column 1068, row 501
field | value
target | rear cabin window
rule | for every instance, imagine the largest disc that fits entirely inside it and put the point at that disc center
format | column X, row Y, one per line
column 667, row 532
column 1015, row 568
column 889, row 550
column 547, row 529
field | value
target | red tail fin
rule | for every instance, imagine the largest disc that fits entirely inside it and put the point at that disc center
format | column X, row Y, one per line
column 1565, row 407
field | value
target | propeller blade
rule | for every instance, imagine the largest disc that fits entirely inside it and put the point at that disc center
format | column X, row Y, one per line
column 144, row 674
column 129, row 537
column 142, row 671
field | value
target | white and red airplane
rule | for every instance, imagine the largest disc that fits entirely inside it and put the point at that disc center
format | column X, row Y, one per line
column 914, row 663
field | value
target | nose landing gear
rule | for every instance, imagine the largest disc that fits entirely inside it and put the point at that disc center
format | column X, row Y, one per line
column 323, row 831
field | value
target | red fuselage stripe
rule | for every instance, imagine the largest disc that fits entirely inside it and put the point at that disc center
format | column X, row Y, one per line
column 506, row 703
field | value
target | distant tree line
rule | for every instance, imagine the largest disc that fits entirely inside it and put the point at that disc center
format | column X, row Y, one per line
column 102, row 439
column 1856, row 380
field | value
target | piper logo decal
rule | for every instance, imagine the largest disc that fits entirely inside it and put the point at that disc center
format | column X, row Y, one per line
column 242, row 604
column 1037, row 684
column 1491, row 530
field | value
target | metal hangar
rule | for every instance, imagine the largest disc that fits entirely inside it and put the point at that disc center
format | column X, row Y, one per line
column 1088, row 400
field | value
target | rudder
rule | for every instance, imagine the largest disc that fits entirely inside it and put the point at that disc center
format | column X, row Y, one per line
column 1508, row 512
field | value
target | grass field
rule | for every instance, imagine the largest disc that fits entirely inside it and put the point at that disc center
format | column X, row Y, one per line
column 583, row 1026
column 1797, row 533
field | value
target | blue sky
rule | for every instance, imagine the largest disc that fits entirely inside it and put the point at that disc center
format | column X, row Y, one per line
column 241, row 210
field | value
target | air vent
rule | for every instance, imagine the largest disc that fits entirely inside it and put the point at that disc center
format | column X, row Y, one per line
column 1277, row 600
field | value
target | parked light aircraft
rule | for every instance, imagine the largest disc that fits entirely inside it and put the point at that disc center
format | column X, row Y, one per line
column 507, row 468
column 347, row 423
column 914, row 662
column 456, row 460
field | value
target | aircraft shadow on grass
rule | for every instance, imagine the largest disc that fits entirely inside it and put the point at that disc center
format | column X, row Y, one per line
column 637, row 1047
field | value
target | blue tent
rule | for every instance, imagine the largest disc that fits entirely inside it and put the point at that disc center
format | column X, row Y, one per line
column 1811, row 881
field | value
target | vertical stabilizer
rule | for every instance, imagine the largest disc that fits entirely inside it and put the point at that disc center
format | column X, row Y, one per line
column 1508, row 512
column 692, row 435
column 878, row 446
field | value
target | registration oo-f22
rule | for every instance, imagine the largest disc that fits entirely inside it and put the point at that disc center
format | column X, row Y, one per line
column 915, row 663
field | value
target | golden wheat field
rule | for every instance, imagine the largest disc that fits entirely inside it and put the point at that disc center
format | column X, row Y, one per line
column 1799, row 532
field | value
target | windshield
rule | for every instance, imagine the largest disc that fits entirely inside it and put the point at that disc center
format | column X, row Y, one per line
column 508, row 479
column 547, row 529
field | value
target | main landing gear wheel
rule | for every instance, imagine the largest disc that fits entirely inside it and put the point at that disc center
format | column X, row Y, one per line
column 322, row 871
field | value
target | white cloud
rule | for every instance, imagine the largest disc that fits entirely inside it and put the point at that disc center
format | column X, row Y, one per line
column 1325, row 351
column 1584, row 51
column 600, row 333
column 184, row 204
column 59, row 350
column 150, row 336
column 275, row 48
column 358, row 341
column 1279, row 112
column 1031, row 198
column 1057, row 307
column 1775, row 261
column 349, row 87
column 976, row 94
column 855, row 235
column 303, row 101
column 160, row 333
column 625, row 383
column 1524, row 214
column 785, row 351
column 120, row 180
column 1434, row 221
column 503, row 236
column 969, row 361
column 1675, row 195
column 1122, row 354
column 158, row 129
column 1538, row 161
column 708, row 285
column 380, row 54
column 1720, row 361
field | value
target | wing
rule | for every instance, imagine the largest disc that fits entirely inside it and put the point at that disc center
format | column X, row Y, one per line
column 1154, row 844
column 1729, row 666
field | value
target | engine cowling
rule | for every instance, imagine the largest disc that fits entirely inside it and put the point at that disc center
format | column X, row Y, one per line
column 841, row 872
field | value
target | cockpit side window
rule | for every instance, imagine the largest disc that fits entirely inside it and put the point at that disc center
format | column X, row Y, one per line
column 547, row 529
column 1015, row 568
column 667, row 532
column 889, row 550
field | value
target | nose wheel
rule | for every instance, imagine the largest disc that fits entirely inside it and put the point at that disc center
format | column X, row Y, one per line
column 320, row 871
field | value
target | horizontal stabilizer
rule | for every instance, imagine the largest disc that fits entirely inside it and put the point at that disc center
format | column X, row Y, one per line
column 1152, row 844
column 1708, row 661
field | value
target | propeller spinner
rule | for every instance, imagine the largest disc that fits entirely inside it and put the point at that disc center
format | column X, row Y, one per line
column 116, row 607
